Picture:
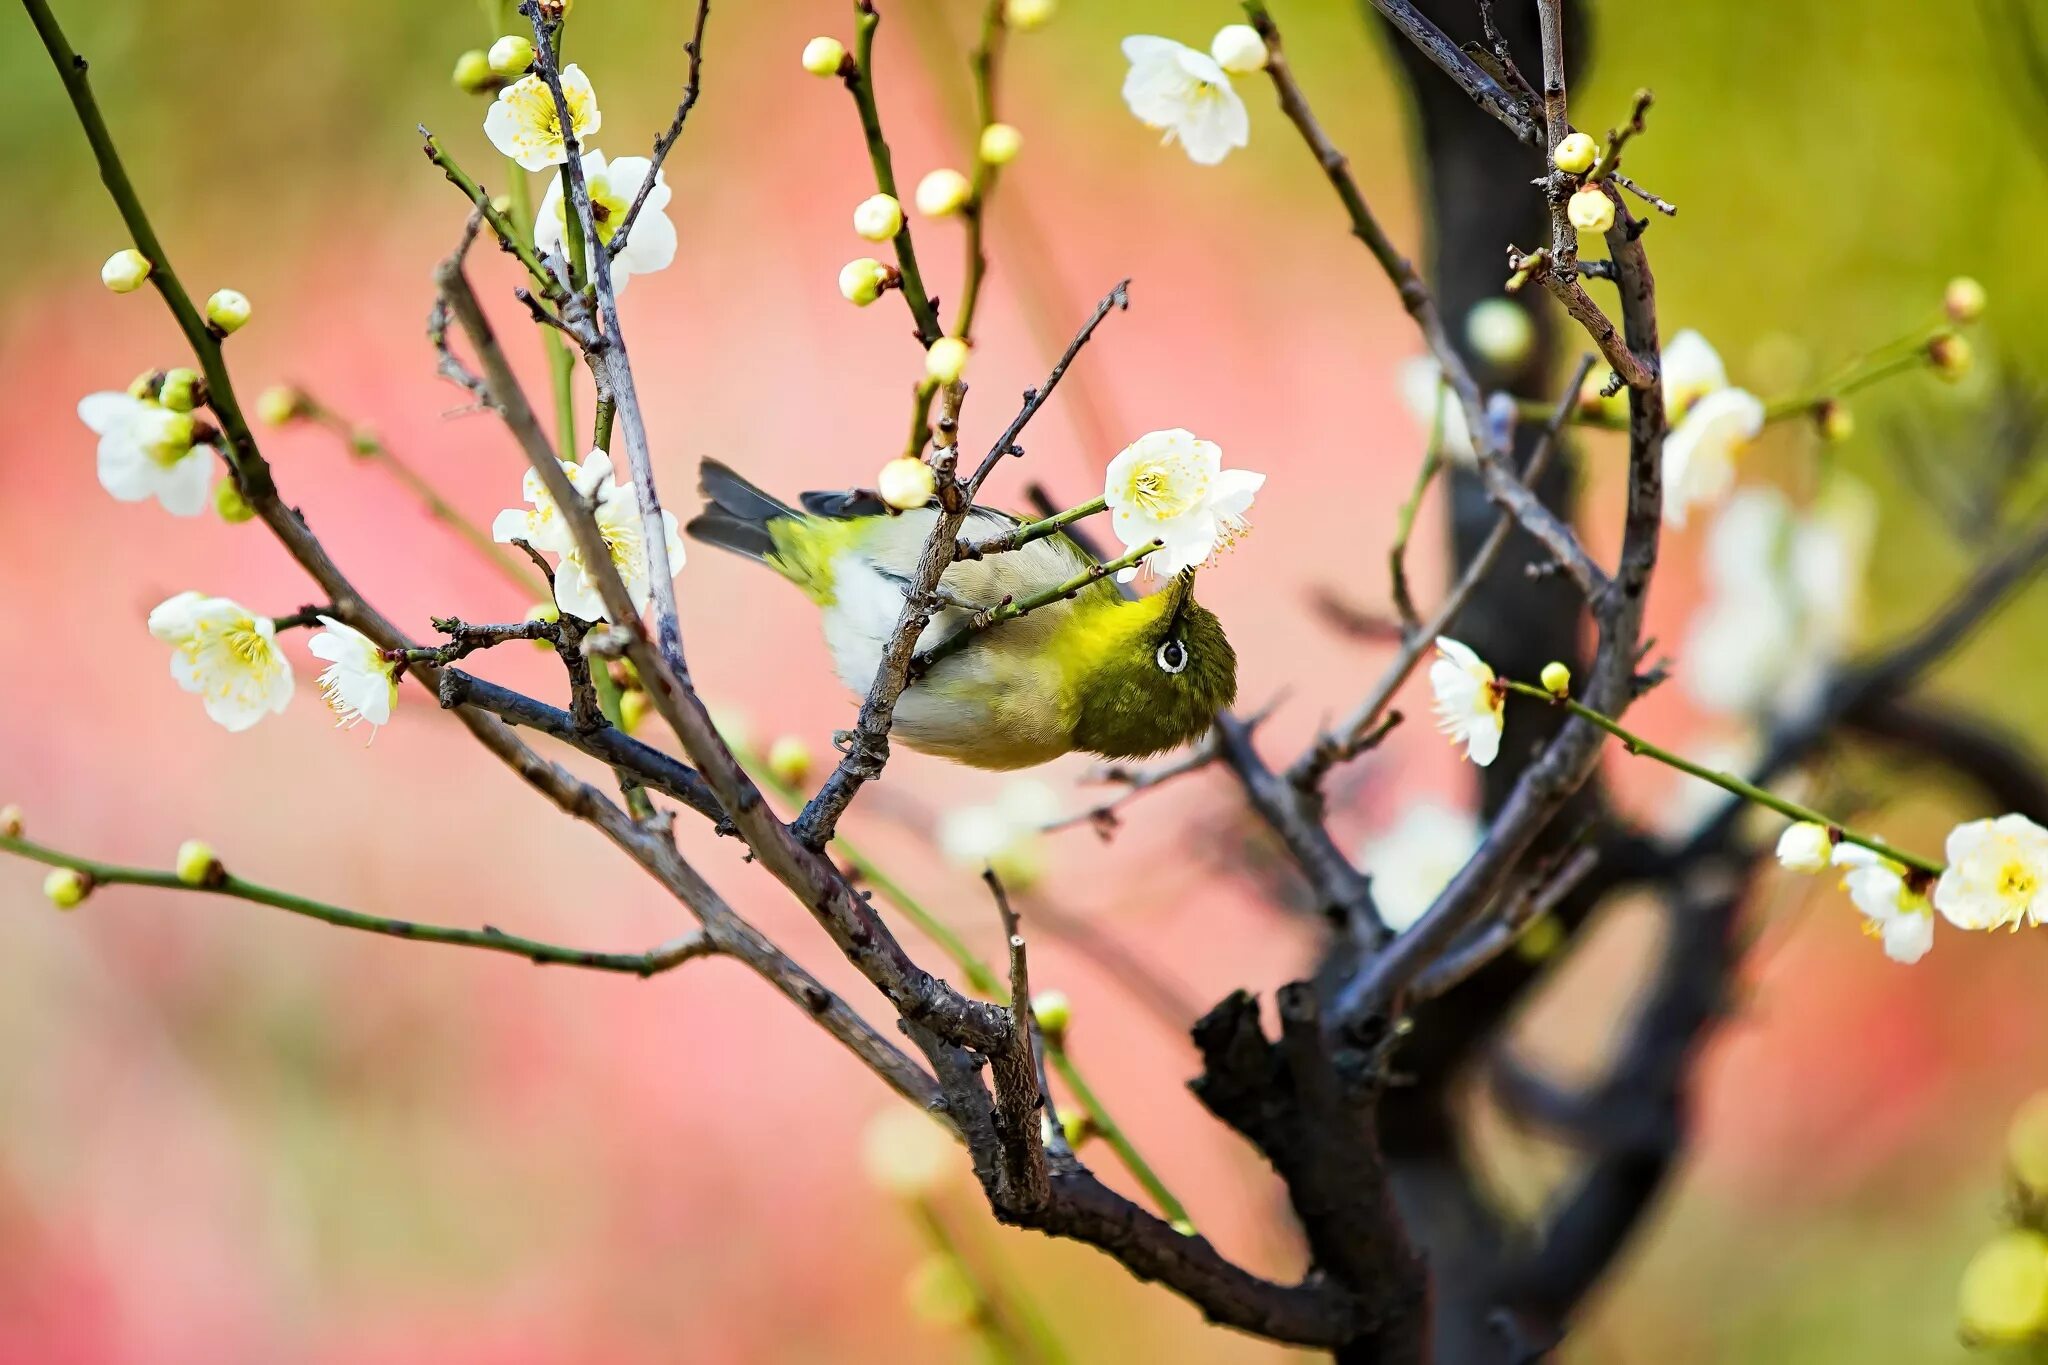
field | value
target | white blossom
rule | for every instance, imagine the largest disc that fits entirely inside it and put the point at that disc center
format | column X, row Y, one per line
column 227, row 654
column 1173, row 87
column 146, row 451
column 1997, row 874
column 1700, row 452
column 617, row 510
column 1170, row 487
column 359, row 683
column 1470, row 705
column 613, row 186
column 1893, row 912
column 1003, row 835
column 1806, row 847
column 1430, row 400
column 1412, row 861
column 1692, row 370
column 523, row 123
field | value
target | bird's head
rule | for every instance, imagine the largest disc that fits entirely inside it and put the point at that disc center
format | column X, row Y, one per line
column 1154, row 673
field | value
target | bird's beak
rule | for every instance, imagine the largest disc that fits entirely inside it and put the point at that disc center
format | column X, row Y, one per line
column 1183, row 589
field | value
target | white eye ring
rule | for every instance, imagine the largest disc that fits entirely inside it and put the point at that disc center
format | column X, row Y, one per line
column 1172, row 657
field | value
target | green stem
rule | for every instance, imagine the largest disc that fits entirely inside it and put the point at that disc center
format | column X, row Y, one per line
column 1035, row 530
column 1010, row 610
column 368, row 445
column 1397, row 555
column 983, row 65
column 1113, row 1134
column 862, row 84
column 655, row 960
column 507, row 227
column 1727, row 782
column 601, row 427
column 1002, row 1325
column 920, row 418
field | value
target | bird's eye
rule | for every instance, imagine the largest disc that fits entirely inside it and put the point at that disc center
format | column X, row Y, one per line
column 1172, row 656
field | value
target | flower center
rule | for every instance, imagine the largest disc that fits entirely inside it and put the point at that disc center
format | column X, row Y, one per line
column 1158, row 494
column 2016, row 881
column 248, row 646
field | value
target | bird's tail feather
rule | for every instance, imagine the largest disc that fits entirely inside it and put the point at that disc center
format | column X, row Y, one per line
column 736, row 513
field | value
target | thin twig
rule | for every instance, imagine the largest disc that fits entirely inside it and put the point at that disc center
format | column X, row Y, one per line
column 694, row 49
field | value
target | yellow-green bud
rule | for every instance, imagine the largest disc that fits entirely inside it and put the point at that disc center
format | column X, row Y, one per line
column 1000, row 143
column 179, row 431
column 733, row 726
column 228, row 309
column 1500, row 332
column 2003, row 1297
column 1576, row 154
column 1556, row 679
column 1025, row 15
column 878, row 217
column 1949, row 354
column 1540, row 939
column 279, row 404
column 473, row 74
column 145, row 385
column 198, row 865
column 822, row 56
column 1834, row 420
column 942, row 192
column 946, row 360
column 126, row 271
column 906, row 483
column 789, row 760
column 544, row 611
column 183, row 390
column 67, row 887
column 234, row 509
column 1239, row 49
column 2026, row 1145
column 1076, row 1127
column 10, row 821
column 632, row 710
column 862, row 280
column 1591, row 211
column 1964, row 299
column 1053, row 1011
column 906, row 1152
column 511, row 55
column 940, row 1293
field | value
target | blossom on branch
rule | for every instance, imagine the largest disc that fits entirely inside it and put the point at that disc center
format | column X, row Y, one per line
column 1170, row 487
column 1412, row 861
column 617, row 509
column 1470, row 705
column 1184, row 92
column 359, row 683
column 613, row 187
column 1997, row 874
column 227, row 654
column 523, row 123
column 147, row 451
column 1423, row 392
column 1894, row 912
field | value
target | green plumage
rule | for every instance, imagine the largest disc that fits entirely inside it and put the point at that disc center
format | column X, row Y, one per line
column 1093, row 672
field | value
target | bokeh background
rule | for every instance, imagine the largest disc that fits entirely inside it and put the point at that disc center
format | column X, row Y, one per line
column 228, row 1135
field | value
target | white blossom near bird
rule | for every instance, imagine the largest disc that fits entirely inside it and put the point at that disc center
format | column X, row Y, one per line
column 524, row 125
column 1997, row 874
column 613, row 187
column 1894, row 912
column 1171, row 487
column 1470, row 705
column 227, row 654
column 1185, row 93
column 617, row 510
column 1003, row 836
column 359, row 684
column 1414, row 859
column 147, row 451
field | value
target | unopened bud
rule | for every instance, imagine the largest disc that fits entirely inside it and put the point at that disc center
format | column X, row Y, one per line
column 906, row 1152
column 1963, row 300
column 198, row 865
column 1500, row 332
column 1833, row 419
column 146, row 385
column 943, row 192
column 544, row 611
column 906, row 483
column 1556, row 679
column 632, row 710
column 234, row 509
column 789, row 760
column 126, row 271
column 511, row 56
column 2026, row 1146
column 1053, row 1011
column 183, row 390
column 1591, row 211
column 1025, row 15
column 1238, row 49
column 1076, row 1127
column 228, row 309
column 174, row 436
column 861, row 281
column 2003, row 1297
column 1807, row 846
column 67, row 887
column 280, row 404
column 878, row 217
column 1576, row 154
column 1540, row 939
column 940, row 1293
column 473, row 74
column 822, row 56
column 1000, row 143
column 1949, row 354
column 10, row 822
column 946, row 360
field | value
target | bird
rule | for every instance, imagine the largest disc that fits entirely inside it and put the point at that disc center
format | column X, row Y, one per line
column 1093, row 672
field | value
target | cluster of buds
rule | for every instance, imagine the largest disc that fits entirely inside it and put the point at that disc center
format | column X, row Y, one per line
column 2002, row 1299
column 1590, row 209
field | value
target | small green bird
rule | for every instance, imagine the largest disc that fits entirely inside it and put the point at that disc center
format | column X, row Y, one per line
column 1092, row 672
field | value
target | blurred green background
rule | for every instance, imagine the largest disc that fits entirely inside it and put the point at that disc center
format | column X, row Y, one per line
column 224, row 1138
